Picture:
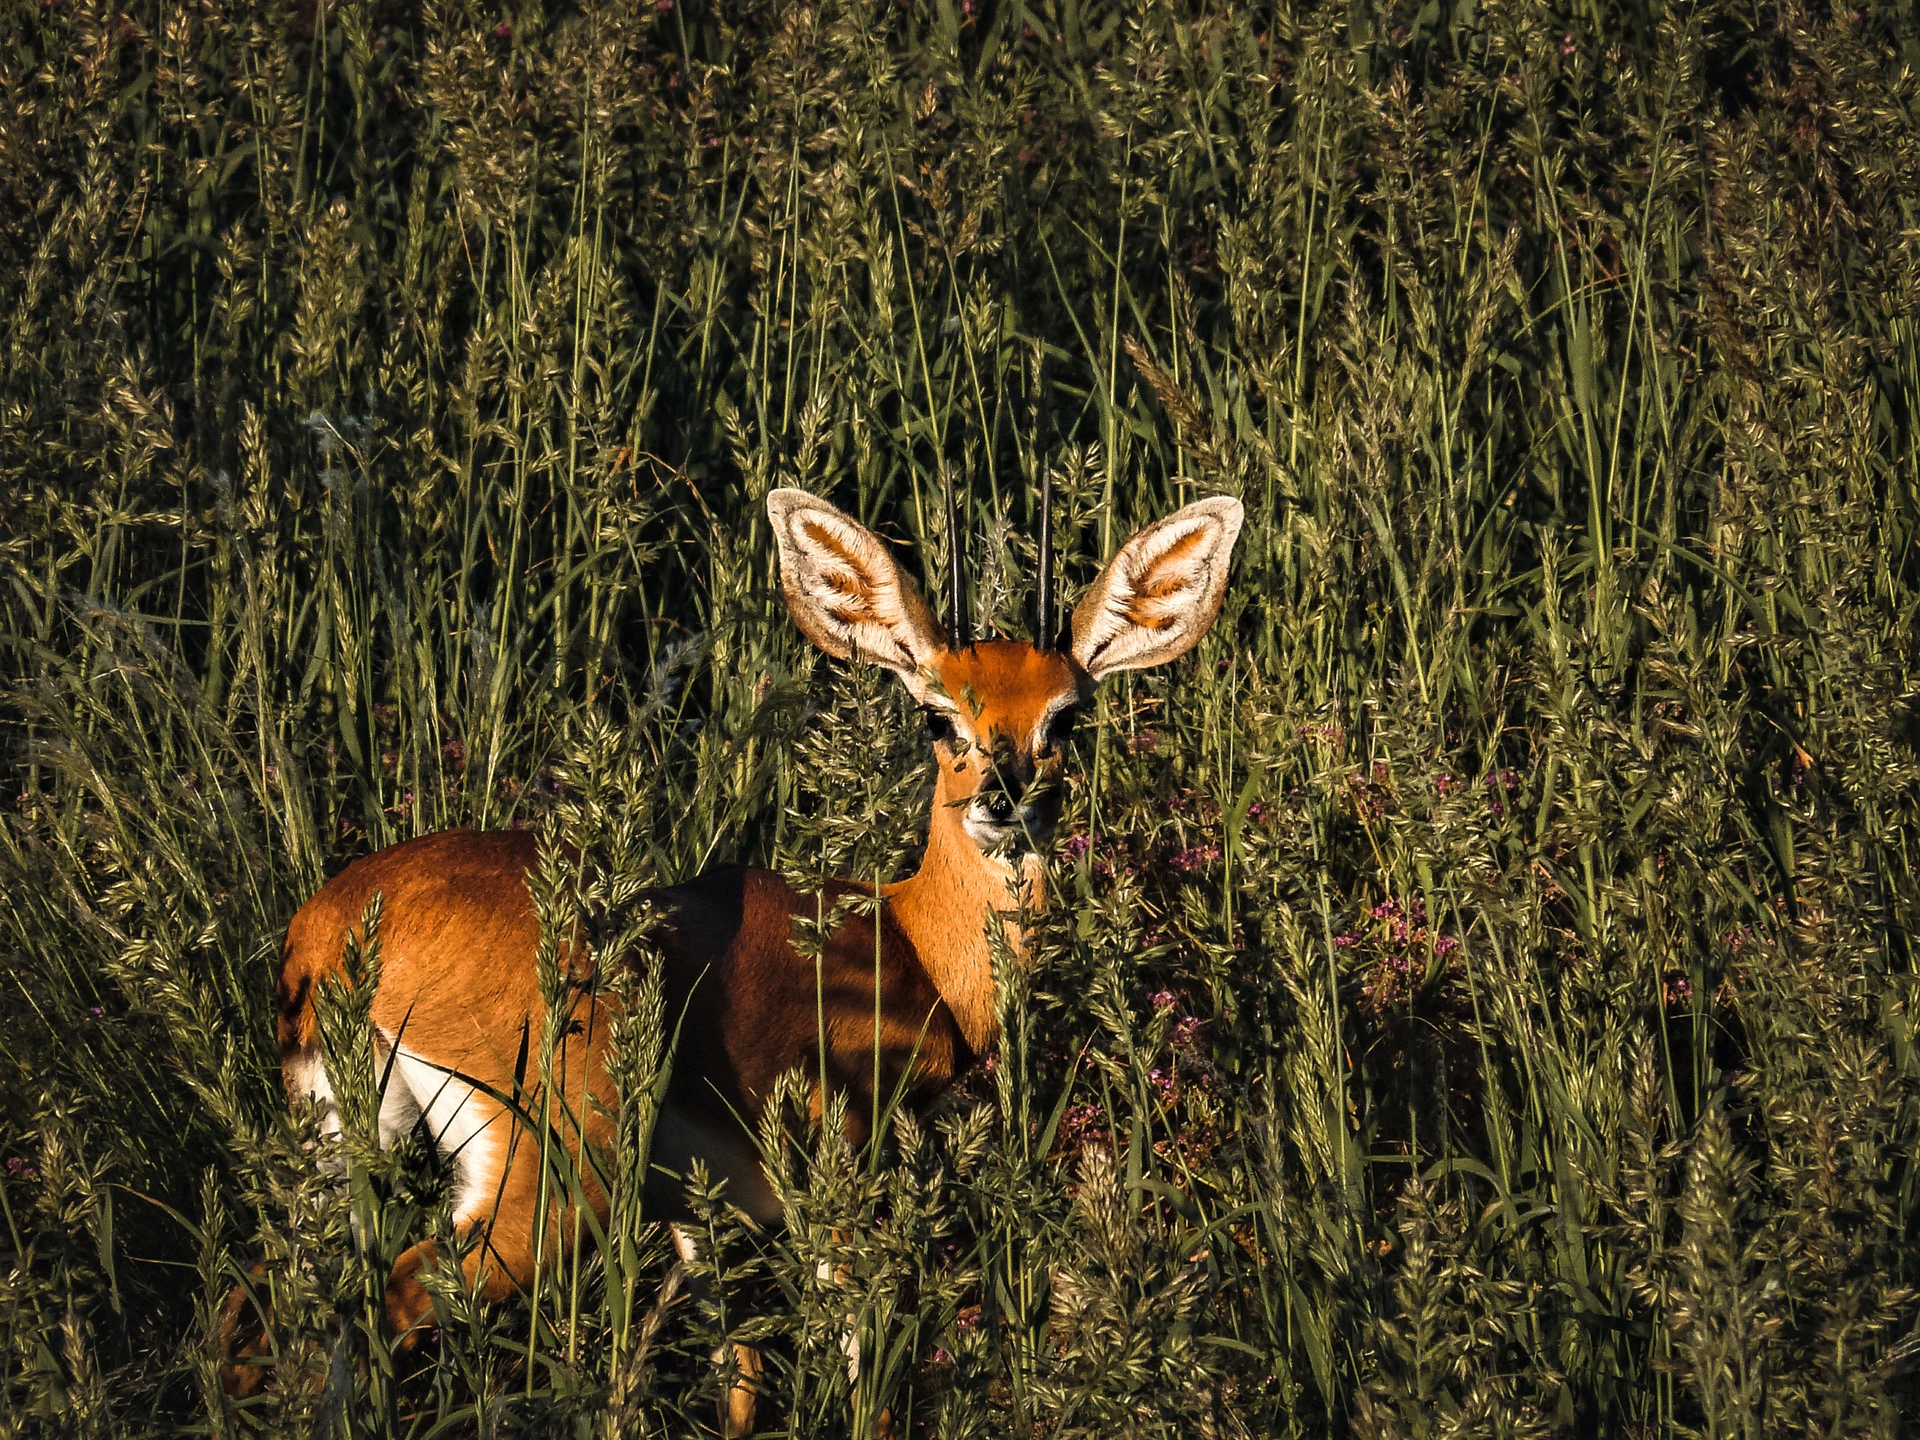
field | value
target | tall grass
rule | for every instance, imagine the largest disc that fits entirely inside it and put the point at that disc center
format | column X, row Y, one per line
column 1482, row 1001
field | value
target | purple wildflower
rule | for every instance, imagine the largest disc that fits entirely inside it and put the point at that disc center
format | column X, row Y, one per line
column 1197, row 857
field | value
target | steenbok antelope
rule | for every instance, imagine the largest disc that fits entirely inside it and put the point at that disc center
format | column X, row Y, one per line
column 458, row 994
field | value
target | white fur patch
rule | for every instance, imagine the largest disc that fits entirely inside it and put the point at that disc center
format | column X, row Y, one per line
column 850, row 1347
column 471, row 1128
column 399, row 1106
column 306, row 1078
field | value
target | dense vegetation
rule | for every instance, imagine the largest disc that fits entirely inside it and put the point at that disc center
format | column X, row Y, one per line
column 1485, row 1005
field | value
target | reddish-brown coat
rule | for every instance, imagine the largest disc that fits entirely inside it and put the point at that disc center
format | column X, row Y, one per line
column 458, row 985
column 754, row 1004
column 903, row 997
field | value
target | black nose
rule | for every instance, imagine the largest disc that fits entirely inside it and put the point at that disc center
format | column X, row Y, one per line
column 999, row 804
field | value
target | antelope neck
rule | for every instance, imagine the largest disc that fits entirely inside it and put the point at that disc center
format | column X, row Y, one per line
column 945, row 908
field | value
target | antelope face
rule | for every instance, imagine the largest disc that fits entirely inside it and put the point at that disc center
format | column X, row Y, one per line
column 1001, row 717
column 1001, row 711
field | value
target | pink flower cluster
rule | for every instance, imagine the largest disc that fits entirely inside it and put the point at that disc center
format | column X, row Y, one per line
column 1082, row 1126
column 1401, row 944
column 1180, row 1082
column 1112, row 857
column 1195, row 857
column 1370, row 794
column 1186, row 1030
column 1504, row 786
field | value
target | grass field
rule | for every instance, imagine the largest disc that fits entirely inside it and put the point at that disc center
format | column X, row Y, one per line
column 1483, row 1001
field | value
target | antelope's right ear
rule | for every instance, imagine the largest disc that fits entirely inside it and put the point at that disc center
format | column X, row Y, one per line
column 847, row 595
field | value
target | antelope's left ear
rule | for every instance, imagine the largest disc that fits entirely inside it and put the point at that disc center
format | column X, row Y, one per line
column 1158, row 596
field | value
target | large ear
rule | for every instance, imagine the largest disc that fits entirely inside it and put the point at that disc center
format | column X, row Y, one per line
column 845, row 592
column 1157, row 597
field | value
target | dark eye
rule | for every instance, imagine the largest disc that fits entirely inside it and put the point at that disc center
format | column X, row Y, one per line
column 940, row 726
column 1059, row 729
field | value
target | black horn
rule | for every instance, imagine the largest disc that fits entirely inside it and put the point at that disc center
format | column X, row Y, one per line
column 956, row 553
column 1043, row 603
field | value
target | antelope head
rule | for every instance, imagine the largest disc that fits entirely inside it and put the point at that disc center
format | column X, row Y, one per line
column 1001, row 711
